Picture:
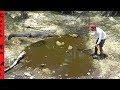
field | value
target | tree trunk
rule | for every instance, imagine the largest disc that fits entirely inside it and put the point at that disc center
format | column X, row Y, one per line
column 24, row 15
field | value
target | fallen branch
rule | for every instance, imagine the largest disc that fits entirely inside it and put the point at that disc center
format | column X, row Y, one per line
column 20, row 57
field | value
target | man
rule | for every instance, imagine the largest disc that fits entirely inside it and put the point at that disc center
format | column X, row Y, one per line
column 101, row 38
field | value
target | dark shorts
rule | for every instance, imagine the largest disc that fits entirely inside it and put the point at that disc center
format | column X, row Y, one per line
column 101, row 43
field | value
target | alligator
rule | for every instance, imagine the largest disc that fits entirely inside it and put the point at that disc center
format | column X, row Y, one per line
column 32, row 34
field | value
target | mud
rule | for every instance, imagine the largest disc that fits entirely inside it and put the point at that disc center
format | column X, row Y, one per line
column 61, row 59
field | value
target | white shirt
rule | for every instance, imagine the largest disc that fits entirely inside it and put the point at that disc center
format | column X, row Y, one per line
column 100, row 33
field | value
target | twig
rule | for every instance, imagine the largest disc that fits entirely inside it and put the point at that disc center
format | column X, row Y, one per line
column 16, row 61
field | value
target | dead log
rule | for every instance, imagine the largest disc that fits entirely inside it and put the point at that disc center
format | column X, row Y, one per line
column 20, row 57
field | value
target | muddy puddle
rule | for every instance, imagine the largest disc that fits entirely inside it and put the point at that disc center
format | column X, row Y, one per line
column 65, row 56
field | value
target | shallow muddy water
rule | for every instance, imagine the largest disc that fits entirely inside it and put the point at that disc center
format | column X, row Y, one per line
column 65, row 56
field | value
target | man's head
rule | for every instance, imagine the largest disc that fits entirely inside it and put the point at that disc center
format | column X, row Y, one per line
column 92, row 27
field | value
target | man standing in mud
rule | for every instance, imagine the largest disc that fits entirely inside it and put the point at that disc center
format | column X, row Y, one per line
column 100, row 40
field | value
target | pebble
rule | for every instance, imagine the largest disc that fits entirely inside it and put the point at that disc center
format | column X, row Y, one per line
column 88, row 73
column 46, row 70
column 42, row 65
column 70, row 47
column 58, row 43
column 60, row 65
column 29, row 68
column 31, row 77
column 62, row 43
column 66, row 74
column 45, row 56
column 27, row 74
column 67, row 51
column 64, row 64
column 53, row 71
column 36, row 69
column 74, row 35
column 89, row 69
column 59, row 75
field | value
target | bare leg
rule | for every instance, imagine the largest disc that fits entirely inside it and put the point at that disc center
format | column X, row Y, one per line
column 96, row 50
column 101, row 50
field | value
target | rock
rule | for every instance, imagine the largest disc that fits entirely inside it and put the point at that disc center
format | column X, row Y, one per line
column 59, row 32
column 68, row 78
column 36, row 69
column 66, row 74
column 46, row 70
column 13, row 16
column 89, row 69
column 45, row 56
column 12, row 76
column 112, row 19
column 61, row 47
column 67, row 51
column 95, row 57
column 74, row 35
column 29, row 68
column 58, row 43
column 59, row 75
column 53, row 71
column 64, row 64
column 62, row 43
column 28, row 47
column 31, row 77
column 119, row 75
column 61, row 65
column 88, row 73
column 70, row 47
column 27, row 74
column 42, row 65
column 53, row 46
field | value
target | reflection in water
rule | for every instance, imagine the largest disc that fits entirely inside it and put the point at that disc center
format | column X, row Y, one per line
column 66, row 62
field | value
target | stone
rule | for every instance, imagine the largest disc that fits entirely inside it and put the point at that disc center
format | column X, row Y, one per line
column 64, row 64
column 66, row 74
column 88, row 73
column 70, row 47
column 53, row 71
column 45, row 56
column 59, row 75
column 62, row 43
column 27, row 74
column 31, row 77
column 46, row 70
column 74, row 35
column 42, row 65
column 61, row 65
column 58, row 43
